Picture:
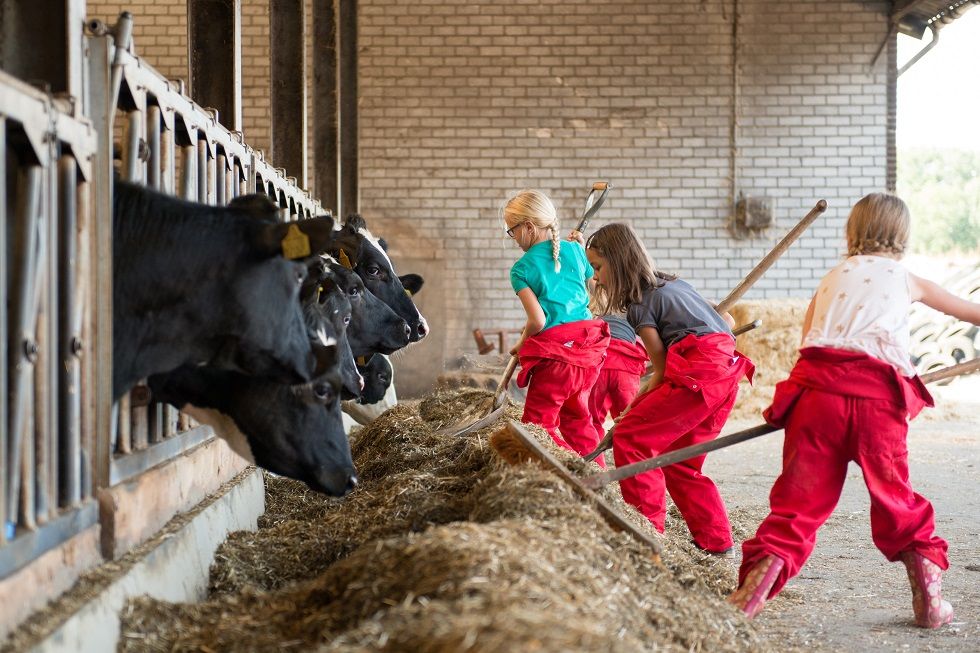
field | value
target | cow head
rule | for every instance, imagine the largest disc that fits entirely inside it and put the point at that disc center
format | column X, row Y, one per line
column 355, row 246
column 327, row 308
column 199, row 284
column 375, row 327
column 295, row 431
column 377, row 375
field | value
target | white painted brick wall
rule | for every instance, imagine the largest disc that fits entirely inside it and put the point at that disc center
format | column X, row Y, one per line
column 464, row 103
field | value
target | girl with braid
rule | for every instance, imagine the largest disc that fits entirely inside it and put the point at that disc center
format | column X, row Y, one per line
column 562, row 346
column 849, row 397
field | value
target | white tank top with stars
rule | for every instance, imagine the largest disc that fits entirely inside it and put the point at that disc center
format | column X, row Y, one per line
column 863, row 305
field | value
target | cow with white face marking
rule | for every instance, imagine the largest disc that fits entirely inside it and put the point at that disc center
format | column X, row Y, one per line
column 326, row 306
column 207, row 285
column 354, row 246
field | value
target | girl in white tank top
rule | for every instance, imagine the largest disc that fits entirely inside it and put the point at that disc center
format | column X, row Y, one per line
column 863, row 305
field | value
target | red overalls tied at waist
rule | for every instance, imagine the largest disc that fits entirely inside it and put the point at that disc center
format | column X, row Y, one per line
column 581, row 343
column 692, row 362
column 847, row 373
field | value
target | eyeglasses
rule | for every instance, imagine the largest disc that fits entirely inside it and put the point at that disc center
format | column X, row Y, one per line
column 510, row 232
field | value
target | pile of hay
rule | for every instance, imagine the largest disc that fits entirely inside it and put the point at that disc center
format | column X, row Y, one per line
column 444, row 547
column 773, row 347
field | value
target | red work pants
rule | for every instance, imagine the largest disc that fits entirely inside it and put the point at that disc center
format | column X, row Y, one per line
column 558, row 401
column 612, row 393
column 824, row 432
column 678, row 413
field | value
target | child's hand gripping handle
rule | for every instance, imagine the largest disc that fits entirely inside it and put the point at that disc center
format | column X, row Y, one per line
column 592, row 205
column 501, row 392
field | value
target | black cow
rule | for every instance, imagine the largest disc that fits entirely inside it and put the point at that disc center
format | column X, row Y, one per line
column 295, row 431
column 198, row 284
column 375, row 327
column 355, row 246
column 377, row 377
column 327, row 310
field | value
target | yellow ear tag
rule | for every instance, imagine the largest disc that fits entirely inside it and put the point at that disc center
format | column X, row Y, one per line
column 295, row 244
column 344, row 260
column 408, row 292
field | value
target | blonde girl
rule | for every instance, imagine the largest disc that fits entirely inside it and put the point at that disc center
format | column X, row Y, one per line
column 562, row 347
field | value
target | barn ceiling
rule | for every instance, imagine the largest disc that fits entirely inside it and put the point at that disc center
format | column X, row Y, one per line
column 914, row 17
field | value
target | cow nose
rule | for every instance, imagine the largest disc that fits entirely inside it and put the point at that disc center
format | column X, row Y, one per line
column 423, row 328
column 408, row 332
column 335, row 482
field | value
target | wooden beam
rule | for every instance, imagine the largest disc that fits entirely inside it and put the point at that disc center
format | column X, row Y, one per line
column 325, row 119
column 288, row 87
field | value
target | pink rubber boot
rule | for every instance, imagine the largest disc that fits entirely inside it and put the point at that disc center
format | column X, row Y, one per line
column 751, row 596
column 926, row 578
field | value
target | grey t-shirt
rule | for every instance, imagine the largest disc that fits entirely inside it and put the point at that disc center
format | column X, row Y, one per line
column 675, row 310
column 619, row 328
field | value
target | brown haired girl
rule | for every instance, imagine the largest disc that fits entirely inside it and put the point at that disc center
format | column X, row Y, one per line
column 849, row 397
column 695, row 378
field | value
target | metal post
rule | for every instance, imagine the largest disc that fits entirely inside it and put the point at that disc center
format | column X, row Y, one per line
column 202, row 169
column 4, row 436
column 188, row 168
column 325, row 123
column 220, row 178
column 28, row 260
column 132, row 165
column 153, row 127
column 168, row 185
column 69, row 332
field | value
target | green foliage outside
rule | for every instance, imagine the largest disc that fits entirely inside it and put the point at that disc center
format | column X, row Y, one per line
column 942, row 189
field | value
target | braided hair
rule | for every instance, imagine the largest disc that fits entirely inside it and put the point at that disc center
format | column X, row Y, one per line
column 535, row 207
column 878, row 224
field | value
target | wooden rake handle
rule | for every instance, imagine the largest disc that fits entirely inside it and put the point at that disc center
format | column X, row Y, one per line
column 771, row 257
column 501, row 392
column 626, row 471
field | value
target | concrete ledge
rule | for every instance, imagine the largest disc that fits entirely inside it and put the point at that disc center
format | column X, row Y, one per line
column 134, row 510
column 173, row 567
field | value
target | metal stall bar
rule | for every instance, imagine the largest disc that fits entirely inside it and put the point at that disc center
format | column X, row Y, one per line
column 6, row 517
column 153, row 139
column 69, row 330
column 28, row 256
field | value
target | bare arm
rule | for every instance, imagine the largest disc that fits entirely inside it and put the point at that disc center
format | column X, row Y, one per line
column 535, row 317
column 657, row 353
column 808, row 318
column 935, row 296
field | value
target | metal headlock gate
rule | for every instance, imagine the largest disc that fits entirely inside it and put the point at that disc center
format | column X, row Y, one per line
column 47, row 280
column 61, row 442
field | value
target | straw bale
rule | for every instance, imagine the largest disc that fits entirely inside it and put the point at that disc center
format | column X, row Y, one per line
column 773, row 347
column 444, row 547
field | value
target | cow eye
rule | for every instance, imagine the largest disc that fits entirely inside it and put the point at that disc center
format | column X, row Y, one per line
column 322, row 391
column 354, row 292
column 347, row 319
column 373, row 270
column 300, row 275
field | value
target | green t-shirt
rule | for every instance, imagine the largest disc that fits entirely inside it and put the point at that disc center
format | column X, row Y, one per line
column 562, row 295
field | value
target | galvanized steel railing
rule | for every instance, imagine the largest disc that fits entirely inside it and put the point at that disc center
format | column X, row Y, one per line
column 47, row 422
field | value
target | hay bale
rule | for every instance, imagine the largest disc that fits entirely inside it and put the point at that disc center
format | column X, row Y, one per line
column 773, row 347
column 444, row 547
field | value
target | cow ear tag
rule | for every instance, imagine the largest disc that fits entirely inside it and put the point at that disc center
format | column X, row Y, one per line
column 295, row 244
column 344, row 260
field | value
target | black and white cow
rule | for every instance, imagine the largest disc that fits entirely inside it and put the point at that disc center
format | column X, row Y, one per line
column 295, row 431
column 355, row 246
column 198, row 284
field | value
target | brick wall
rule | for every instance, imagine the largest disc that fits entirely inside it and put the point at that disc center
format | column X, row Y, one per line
column 680, row 105
column 464, row 103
